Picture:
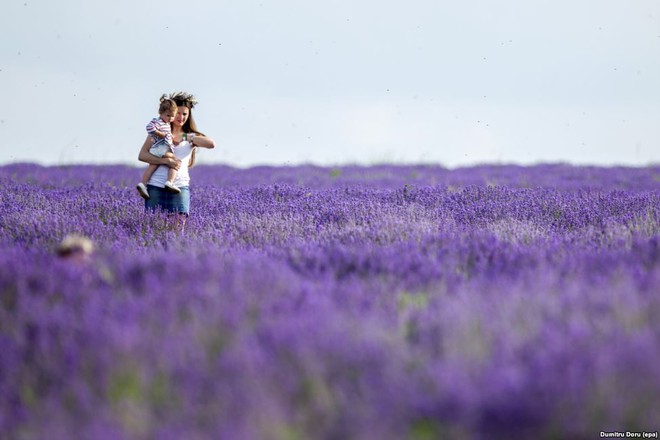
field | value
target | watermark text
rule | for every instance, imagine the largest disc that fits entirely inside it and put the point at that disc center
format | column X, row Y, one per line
column 628, row 434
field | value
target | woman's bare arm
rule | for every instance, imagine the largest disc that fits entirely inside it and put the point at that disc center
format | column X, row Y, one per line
column 149, row 158
column 203, row 142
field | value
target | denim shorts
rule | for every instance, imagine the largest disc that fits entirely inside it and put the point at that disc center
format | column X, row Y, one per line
column 168, row 201
column 159, row 149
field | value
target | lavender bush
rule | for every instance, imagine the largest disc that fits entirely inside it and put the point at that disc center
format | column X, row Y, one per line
column 389, row 302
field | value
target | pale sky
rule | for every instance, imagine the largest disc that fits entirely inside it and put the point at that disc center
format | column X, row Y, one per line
column 336, row 82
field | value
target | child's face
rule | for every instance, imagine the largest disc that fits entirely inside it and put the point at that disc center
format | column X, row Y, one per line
column 168, row 116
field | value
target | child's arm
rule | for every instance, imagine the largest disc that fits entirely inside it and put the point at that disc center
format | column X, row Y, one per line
column 152, row 129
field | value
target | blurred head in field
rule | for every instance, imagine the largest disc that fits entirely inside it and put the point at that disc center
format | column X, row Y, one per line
column 76, row 248
column 184, row 118
column 167, row 109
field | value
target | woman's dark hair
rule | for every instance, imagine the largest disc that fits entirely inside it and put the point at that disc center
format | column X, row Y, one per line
column 183, row 99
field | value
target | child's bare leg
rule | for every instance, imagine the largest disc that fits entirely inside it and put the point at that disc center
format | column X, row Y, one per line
column 148, row 172
column 171, row 172
column 142, row 186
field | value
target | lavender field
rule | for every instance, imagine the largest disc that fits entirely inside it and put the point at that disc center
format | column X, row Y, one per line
column 383, row 302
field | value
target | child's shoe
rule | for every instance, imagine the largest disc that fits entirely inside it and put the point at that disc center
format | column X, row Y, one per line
column 171, row 187
column 142, row 189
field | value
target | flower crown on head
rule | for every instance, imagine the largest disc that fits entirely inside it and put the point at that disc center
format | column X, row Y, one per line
column 183, row 98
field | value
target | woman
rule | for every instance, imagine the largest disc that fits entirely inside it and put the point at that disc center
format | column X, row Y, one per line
column 186, row 140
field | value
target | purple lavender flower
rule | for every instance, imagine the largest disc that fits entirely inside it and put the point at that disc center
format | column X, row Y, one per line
column 356, row 302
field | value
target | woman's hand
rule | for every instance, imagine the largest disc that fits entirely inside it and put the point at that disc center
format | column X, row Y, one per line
column 173, row 162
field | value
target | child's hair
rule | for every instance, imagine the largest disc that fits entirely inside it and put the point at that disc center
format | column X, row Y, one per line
column 166, row 104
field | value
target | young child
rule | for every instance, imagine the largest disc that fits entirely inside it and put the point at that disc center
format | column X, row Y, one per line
column 161, row 132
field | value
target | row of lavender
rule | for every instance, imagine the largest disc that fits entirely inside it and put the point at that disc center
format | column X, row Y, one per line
column 558, row 176
column 356, row 302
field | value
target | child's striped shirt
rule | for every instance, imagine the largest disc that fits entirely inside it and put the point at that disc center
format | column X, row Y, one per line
column 157, row 124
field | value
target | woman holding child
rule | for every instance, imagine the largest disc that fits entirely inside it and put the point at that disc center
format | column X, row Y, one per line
column 186, row 138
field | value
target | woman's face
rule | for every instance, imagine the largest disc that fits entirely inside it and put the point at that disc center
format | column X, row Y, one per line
column 181, row 115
